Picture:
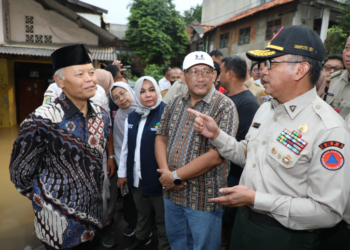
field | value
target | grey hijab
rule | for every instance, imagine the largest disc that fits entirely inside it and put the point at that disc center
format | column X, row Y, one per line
column 142, row 110
column 122, row 114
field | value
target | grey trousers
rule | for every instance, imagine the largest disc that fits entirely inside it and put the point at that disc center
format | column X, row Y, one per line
column 112, row 201
column 148, row 208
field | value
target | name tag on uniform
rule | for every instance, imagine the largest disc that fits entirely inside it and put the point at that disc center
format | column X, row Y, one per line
column 256, row 125
column 154, row 129
column 130, row 126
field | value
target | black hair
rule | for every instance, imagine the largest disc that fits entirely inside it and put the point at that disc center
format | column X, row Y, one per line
column 217, row 69
column 113, row 69
column 315, row 66
column 237, row 64
column 251, row 67
column 332, row 57
column 165, row 69
column 216, row 53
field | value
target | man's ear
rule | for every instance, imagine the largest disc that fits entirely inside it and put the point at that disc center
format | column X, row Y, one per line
column 301, row 70
column 59, row 81
column 182, row 77
column 215, row 73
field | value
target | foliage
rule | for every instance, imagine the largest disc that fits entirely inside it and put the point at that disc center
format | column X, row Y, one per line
column 156, row 30
column 334, row 43
column 128, row 75
column 194, row 13
column 155, row 71
column 337, row 34
column 126, row 59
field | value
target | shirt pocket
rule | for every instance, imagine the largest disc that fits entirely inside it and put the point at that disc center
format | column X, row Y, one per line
column 280, row 155
column 252, row 134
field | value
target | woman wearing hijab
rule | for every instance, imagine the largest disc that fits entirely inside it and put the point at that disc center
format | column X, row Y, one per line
column 104, row 79
column 138, row 165
column 122, row 102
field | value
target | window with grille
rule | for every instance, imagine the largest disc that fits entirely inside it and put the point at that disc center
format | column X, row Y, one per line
column 244, row 36
column 224, row 40
column 272, row 28
column 200, row 46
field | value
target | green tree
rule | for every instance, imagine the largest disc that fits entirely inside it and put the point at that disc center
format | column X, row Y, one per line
column 336, row 35
column 194, row 13
column 156, row 31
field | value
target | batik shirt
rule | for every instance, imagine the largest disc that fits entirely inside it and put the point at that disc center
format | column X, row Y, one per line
column 57, row 163
column 185, row 144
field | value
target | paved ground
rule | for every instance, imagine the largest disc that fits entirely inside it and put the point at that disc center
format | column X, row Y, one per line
column 123, row 241
column 16, row 212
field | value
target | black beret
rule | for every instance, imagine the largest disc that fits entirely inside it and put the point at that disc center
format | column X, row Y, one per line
column 70, row 55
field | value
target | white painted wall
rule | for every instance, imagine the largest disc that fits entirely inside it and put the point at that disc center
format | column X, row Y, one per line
column 95, row 19
column 217, row 11
column 2, row 27
column 46, row 22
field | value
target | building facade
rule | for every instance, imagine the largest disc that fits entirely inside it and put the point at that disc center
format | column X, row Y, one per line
column 254, row 27
column 30, row 31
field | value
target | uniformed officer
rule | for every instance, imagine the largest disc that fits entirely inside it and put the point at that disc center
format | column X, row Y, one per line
column 257, row 90
column 295, row 180
column 339, row 90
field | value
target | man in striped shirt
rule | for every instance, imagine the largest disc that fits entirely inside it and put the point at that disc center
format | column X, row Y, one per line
column 192, row 171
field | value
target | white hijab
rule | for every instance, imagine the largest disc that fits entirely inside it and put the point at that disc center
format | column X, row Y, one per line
column 141, row 109
column 122, row 114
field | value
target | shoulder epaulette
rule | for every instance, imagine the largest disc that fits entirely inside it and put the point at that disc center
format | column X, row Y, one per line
column 335, row 74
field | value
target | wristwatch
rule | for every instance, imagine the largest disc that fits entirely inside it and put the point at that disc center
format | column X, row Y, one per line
column 111, row 157
column 177, row 180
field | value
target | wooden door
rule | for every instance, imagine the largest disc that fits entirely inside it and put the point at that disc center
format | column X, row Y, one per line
column 30, row 95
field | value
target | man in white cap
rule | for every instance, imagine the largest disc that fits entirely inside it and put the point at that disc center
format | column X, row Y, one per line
column 192, row 171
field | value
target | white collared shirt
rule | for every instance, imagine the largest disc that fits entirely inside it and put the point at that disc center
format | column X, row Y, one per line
column 164, row 84
column 137, row 157
column 302, row 190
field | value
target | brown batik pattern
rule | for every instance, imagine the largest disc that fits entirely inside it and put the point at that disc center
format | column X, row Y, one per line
column 185, row 144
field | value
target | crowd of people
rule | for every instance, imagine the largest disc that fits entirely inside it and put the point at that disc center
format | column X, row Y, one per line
column 227, row 153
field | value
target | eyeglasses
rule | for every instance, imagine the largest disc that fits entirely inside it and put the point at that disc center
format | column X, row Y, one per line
column 329, row 68
column 255, row 70
column 206, row 73
column 175, row 78
column 121, row 95
column 268, row 62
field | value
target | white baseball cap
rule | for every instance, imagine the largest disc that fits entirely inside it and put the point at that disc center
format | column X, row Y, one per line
column 197, row 57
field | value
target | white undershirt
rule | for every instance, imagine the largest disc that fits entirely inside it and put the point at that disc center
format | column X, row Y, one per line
column 137, row 157
column 164, row 84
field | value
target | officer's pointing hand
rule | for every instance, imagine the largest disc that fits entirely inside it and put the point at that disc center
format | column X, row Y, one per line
column 205, row 125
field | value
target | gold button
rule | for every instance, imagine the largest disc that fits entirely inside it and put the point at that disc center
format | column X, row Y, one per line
column 279, row 156
column 275, row 119
column 254, row 165
column 274, row 150
column 264, row 142
column 318, row 106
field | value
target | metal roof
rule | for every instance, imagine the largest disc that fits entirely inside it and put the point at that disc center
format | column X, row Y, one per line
column 44, row 50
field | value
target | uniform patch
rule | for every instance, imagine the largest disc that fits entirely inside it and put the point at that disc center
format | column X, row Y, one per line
column 264, row 97
column 331, row 144
column 48, row 91
column 256, row 125
column 48, row 100
column 287, row 159
column 292, row 140
column 332, row 160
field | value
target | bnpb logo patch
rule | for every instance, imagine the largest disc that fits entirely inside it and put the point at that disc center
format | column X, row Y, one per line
column 332, row 160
